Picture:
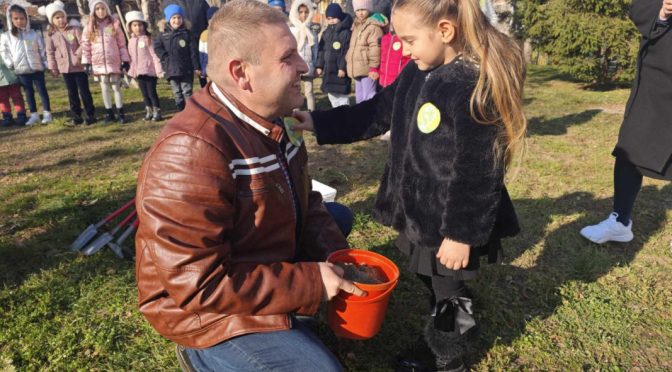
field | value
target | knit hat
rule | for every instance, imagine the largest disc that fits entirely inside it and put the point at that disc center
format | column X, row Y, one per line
column 278, row 3
column 211, row 12
column 362, row 4
column 92, row 6
column 171, row 10
column 51, row 9
column 134, row 16
column 334, row 11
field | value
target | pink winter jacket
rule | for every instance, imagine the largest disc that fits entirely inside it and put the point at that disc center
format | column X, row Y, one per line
column 63, row 51
column 392, row 60
column 143, row 58
column 107, row 49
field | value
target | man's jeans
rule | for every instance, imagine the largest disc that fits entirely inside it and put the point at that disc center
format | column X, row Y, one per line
column 296, row 349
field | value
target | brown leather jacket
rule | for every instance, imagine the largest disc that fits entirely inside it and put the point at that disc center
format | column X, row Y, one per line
column 218, row 250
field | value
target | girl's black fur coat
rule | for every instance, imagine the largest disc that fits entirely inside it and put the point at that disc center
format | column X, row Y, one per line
column 435, row 185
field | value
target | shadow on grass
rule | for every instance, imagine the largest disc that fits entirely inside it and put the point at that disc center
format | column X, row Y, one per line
column 507, row 296
column 540, row 126
column 53, row 231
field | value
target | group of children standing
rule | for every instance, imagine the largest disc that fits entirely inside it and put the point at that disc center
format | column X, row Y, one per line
column 364, row 49
column 101, row 50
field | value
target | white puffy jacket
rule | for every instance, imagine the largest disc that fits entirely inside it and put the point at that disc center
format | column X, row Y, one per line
column 25, row 52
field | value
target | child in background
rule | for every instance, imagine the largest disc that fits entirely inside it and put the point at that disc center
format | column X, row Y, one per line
column 457, row 119
column 392, row 61
column 203, row 48
column 300, row 16
column 64, row 56
column 145, row 65
column 104, row 54
column 363, row 58
column 331, row 56
column 23, row 52
column 178, row 58
column 10, row 88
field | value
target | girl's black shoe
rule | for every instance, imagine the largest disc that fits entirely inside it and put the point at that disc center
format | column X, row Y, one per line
column 122, row 117
column 109, row 116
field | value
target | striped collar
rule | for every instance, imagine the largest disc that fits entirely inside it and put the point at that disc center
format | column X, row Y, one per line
column 262, row 125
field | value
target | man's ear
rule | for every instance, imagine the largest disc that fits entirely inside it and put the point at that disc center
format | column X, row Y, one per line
column 238, row 70
column 447, row 30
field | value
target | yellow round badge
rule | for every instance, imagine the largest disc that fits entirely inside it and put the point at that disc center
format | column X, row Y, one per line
column 182, row 43
column 109, row 30
column 429, row 118
column 396, row 46
column 141, row 44
column 70, row 37
column 336, row 45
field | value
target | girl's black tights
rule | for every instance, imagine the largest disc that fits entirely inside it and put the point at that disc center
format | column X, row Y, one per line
column 627, row 183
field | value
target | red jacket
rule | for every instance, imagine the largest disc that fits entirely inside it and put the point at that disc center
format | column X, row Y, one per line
column 392, row 60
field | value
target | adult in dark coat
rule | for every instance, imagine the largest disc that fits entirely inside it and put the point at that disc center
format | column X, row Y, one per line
column 644, row 145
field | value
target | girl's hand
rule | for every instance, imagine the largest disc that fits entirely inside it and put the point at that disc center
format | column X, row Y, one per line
column 666, row 10
column 341, row 74
column 305, row 121
column 88, row 68
column 373, row 76
column 453, row 255
column 318, row 71
column 197, row 72
column 54, row 73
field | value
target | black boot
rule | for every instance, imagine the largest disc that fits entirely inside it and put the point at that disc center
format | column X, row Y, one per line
column 122, row 116
column 90, row 120
column 76, row 120
column 148, row 113
column 6, row 119
column 109, row 116
column 156, row 116
column 21, row 118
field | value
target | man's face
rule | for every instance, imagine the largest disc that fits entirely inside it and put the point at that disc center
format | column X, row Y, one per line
column 276, row 80
column 176, row 21
column 59, row 20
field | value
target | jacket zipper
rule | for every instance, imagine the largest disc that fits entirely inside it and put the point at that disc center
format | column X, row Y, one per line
column 67, row 49
column 102, row 41
column 25, row 52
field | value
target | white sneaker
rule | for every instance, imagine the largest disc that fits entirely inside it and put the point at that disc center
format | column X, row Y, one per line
column 46, row 117
column 33, row 119
column 385, row 136
column 608, row 230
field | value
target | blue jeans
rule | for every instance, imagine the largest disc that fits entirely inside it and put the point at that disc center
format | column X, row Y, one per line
column 296, row 349
column 27, row 81
column 342, row 215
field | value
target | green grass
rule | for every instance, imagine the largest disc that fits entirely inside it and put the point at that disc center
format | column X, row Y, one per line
column 556, row 303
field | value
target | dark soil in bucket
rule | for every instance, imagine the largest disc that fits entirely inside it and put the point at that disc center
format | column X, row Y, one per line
column 363, row 273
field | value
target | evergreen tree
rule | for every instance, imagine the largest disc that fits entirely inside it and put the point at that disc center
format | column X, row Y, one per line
column 592, row 40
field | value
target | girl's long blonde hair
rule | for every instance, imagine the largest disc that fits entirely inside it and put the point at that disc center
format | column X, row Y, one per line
column 498, row 95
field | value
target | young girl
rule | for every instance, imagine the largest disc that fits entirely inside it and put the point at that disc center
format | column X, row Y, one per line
column 10, row 88
column 331, row 56
column 23, row 52
column 104, row 54
column 145, row 65
column 300, row 16
column 363, row 58
column 456, row 119
column 63, row 56
column 178, row 57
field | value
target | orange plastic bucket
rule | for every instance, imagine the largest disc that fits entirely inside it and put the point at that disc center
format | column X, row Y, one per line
column 357, row 317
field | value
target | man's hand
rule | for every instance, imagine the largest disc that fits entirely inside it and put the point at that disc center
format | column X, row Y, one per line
column 333, row 282
column 453, row 255
column 305, row 121
column 318, row 71
column 341, row 74
column 666, row 10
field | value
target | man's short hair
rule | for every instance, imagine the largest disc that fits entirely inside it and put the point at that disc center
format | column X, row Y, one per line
column 234, row 31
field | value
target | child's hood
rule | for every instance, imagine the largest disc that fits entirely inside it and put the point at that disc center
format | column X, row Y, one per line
column 9, row 16
column 294, row 12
